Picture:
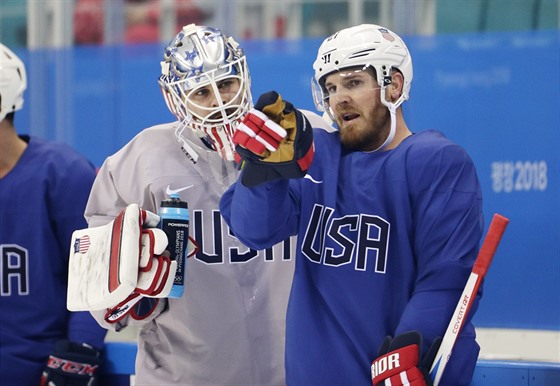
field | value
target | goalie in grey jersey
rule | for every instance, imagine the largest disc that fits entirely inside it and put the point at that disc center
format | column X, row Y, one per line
column 228, row 327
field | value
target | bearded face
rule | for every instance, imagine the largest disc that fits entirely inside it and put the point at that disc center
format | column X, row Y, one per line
column 354, row 98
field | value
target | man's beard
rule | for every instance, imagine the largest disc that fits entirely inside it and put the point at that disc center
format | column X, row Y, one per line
column 370, row 137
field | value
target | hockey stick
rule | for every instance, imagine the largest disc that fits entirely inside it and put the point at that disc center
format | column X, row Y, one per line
column 481, row 265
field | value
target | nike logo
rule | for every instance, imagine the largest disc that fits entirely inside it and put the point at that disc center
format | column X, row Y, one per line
column 170, row 191
column 307, row 176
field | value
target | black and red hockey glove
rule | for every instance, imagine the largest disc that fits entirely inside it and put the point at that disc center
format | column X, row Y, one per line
column 275, row 140
column 72, row 364
column 399, row 361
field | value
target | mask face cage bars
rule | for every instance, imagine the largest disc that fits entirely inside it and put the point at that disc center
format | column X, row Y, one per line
column 216, row 127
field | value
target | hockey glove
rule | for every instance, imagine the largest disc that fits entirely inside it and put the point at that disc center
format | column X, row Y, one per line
column 399, row 361
column 275, row 140
column 112, row 266
column 140, row 307
column 71, row 364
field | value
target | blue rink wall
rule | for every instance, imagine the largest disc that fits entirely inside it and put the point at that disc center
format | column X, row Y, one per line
column 119, row 361
column 497, row 95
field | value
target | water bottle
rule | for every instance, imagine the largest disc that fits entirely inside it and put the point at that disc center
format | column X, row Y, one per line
column 174, row 221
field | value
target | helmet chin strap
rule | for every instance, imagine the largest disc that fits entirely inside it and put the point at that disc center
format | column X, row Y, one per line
column 189, row 151
column 392, row 111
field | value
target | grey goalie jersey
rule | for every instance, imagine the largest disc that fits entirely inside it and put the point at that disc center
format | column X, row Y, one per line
column 228, row 327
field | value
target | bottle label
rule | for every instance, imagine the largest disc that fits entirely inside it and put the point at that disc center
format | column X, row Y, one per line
column 177, row 232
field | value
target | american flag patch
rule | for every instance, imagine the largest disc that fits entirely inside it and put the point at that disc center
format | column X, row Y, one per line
column 386, row 34
column 81, row 244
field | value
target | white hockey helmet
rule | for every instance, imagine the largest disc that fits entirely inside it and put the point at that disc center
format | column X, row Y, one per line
column 363, row 45
column 13, row 82
column 201, row 56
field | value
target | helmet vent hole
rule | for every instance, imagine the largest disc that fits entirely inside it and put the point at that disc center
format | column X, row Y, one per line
column 359, row 54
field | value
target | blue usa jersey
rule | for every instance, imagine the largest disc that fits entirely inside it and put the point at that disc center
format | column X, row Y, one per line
column 386, row 242
column 42, row 201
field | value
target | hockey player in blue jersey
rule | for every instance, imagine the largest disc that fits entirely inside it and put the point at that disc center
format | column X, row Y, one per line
column 44, row 187
column 388, row 220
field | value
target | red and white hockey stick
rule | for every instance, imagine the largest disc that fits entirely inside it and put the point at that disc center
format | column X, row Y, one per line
column 481, row 265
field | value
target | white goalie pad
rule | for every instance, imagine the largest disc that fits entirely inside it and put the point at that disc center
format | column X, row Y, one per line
column 108, row 263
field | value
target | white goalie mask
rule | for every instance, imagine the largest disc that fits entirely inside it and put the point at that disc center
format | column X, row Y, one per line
column 366, row 45
column 197, row 60
column 13, row 82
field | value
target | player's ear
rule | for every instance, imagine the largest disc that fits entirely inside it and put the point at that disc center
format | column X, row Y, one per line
column 395, row 89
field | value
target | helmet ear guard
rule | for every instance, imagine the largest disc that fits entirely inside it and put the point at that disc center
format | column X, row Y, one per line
column 202, row 57
column 13, row 82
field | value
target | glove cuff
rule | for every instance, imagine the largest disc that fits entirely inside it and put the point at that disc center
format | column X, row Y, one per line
column 72, row 363
column 394, row 363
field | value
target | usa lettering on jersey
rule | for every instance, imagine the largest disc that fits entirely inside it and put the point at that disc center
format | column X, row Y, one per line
column 355, row 239
column 15, row 272
column 214, row 253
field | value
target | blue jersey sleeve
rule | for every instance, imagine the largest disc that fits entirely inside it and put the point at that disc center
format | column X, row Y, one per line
column 448, row 227
column 260, row 216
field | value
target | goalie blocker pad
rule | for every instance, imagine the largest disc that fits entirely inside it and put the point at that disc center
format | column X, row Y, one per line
column 108, row 263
